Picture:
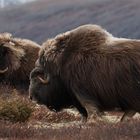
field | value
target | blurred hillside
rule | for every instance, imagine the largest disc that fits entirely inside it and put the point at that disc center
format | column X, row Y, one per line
column 9, row 3
column 43, row 19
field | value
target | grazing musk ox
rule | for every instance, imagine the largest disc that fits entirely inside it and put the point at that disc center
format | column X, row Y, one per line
column 88, row 68
column 17, row 58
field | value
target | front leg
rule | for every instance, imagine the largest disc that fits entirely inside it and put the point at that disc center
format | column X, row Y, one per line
column 93, row 113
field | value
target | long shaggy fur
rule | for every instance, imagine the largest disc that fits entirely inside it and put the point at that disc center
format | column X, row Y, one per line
column 98, row 69
column 19, row 55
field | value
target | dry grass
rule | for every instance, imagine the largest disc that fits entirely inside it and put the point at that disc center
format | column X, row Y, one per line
column 43, row 114
column 97, row 131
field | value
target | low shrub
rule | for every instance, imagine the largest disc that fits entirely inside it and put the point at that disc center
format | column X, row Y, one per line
column 15, row 108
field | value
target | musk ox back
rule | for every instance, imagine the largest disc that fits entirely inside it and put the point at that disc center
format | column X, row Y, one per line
column 92, row 70
column 17, row 58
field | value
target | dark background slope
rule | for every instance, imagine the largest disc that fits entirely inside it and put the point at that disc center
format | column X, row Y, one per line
column 46, row 18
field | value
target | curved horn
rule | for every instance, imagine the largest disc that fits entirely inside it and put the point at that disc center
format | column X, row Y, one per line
column 44, row 81
column 5, row 70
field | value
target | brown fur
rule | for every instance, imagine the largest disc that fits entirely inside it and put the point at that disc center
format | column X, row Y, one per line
column 19, row 55
column 98, row 69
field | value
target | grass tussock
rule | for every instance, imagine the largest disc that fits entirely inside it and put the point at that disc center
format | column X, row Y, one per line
column 15, row 108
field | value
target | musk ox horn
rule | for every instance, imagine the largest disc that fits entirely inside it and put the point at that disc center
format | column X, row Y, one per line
column 44, row 81
column 5, row 70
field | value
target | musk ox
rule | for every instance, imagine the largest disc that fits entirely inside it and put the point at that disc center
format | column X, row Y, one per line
column 89, row 69
column 17, row 58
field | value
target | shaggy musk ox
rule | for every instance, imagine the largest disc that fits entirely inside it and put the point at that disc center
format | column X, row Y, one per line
column 17, row 58
column 89, row 69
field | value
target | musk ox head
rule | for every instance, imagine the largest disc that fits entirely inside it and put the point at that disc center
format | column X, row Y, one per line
column 88, row 68
column 48, row 89
column 17, row 58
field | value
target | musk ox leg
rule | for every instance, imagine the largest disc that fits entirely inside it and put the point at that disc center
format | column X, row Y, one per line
column 82, row 110
column 128, row 115
column 93, row 112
